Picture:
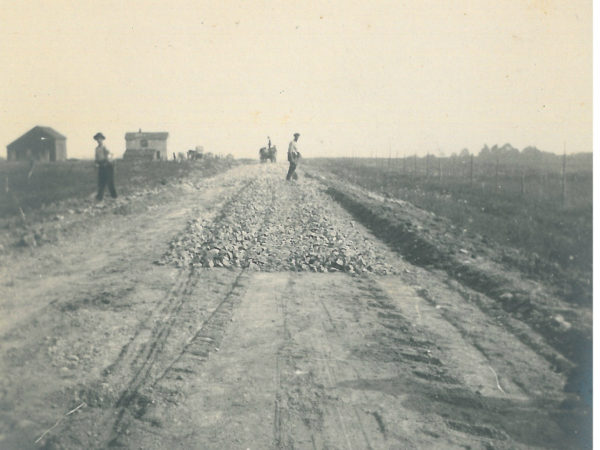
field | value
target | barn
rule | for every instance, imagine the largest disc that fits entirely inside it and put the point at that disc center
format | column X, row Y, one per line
column 38, row 144
column 146, row 145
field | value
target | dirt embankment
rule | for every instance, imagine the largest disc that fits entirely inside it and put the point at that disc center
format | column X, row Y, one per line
column 429, row 241
column 123, row 336
column 60, row 199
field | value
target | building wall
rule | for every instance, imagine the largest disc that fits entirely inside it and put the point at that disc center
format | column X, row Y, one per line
column 61, row 150
column 153, row 145
column 38, row 150
column 43, row 154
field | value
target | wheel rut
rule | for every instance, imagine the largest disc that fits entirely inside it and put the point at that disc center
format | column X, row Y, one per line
column 304, row 339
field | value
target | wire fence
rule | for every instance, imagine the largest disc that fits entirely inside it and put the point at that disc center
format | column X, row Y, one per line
column 543, row 208
column 558, row 179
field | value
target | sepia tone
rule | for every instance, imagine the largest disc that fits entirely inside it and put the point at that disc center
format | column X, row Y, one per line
column 302, row 225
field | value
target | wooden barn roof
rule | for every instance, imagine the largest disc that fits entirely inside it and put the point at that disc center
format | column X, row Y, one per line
column 146, row 135
column 39, row 131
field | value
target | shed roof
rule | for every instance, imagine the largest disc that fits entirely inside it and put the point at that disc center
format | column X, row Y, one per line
column 51, row 132
column 146, row 135
column 39, row 131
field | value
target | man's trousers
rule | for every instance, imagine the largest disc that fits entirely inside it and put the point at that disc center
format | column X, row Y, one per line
column 106, row 177
column 292, row 172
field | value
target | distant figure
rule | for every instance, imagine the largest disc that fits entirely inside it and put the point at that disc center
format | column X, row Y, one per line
column 293, row 157
column 106, row 170
column 194, row 154
column 263, row 154
column 268, row 153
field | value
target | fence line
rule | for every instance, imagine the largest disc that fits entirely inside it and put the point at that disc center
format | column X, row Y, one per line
column 488, row 176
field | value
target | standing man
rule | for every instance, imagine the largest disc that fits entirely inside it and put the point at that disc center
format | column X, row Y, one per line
column 293, row 157
column 106, row 170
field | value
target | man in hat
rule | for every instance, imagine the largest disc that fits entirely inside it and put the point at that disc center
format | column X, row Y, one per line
column 106, row 170
column 293, row 157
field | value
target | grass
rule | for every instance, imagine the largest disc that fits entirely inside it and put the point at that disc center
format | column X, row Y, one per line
column 536, row 221
column 58, row 181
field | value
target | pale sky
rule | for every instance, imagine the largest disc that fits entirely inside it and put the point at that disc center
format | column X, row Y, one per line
column 354, row 77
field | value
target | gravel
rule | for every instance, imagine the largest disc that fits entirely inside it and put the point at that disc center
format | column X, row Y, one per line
column 274, row 225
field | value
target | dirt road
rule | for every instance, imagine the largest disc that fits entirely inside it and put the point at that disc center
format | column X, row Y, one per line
column 247, row 312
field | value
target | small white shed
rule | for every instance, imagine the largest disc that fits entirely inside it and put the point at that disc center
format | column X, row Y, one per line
column 146, row 145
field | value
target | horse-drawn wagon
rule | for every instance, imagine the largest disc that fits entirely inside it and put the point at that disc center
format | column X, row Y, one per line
column 268, row 154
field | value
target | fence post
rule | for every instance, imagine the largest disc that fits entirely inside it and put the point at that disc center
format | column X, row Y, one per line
column 564, row 177
column 427, row 167
column 522, row 182
column 415, row 169
column 496, row 176
column 471, row 172
column 544, row 180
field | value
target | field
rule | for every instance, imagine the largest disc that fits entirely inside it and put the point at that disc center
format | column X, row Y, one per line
column 520, row 208
column 213, row 308
column 76, row 180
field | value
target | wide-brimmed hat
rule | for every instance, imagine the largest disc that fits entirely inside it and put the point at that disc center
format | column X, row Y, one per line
column 99, row 136
column 296, row 134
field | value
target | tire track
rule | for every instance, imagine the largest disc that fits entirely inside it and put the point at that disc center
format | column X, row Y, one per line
column 331, row 366
column 306, row 383
column 143, row 363
column 184, row 282
column 162, row 378
column 145, row 360
column 281, row 414
column 204, row 338
column 207, row 337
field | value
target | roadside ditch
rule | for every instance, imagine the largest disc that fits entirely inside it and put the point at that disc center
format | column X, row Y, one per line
column 419, row 237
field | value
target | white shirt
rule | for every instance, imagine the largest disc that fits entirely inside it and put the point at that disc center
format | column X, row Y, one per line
column 102, row 154
column 293, row 151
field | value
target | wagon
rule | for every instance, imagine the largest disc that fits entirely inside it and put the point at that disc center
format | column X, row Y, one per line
column 268, row 154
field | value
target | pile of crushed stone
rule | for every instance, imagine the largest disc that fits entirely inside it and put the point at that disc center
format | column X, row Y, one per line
column 272, row 226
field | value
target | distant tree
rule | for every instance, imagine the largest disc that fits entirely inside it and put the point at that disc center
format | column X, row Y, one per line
column 531, row 151
column 531, row 156
column 508, row 154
